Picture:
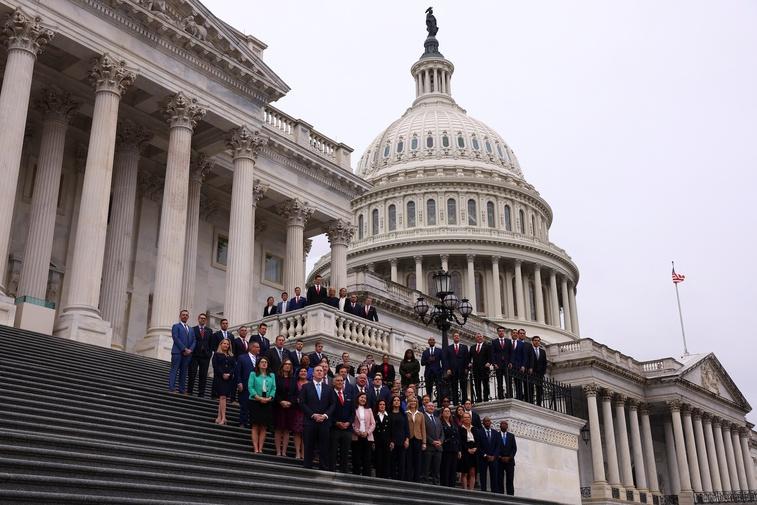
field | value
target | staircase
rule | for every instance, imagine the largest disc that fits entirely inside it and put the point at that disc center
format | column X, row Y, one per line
column 86, row 424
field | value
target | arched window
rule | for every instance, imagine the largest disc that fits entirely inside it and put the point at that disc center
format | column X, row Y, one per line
column 410, row 281
column 429, row 141
column 490, row 214
column 374, row 222
column 445, row 140
column 533, row 225
column 522, row 219
column 460, row 141
column 451, row 211
column 456, row 283
column 479, row 278
column 400, row 146
column 508, row 219
column 360, row 227
column 431, row 212
column 472, row 212
column 414, row 143
column 500, row 152
column 488, row 146
column 387, row 149
column 410, row 214
column 392, row 217
column 475, row 144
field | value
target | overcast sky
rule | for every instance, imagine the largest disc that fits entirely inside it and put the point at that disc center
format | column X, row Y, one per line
column 636, row 121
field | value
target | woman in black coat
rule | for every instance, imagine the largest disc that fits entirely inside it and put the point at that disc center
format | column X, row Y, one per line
column 450, row 449
column 382, row 437
column 399, row 439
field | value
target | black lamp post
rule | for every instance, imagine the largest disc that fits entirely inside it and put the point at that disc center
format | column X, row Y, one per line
column 443, row 313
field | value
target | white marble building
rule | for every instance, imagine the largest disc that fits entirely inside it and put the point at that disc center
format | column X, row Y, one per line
column 145, row 170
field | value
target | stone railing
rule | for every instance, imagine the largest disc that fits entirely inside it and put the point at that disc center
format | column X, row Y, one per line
column 303, row 134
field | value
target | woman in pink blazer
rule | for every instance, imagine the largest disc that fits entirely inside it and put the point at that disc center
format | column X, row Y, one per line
column 362, row 436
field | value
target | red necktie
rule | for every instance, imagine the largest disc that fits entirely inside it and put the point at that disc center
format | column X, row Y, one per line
column 341, row 398
column 455, row 348
column 478, row 348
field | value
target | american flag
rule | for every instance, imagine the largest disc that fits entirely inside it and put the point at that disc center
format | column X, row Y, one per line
column 677, row 278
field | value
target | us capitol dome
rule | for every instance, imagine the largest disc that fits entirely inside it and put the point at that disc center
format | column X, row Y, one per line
column 448, row 193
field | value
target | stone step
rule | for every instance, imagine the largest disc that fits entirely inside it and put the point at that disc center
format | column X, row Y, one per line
column 20, row 497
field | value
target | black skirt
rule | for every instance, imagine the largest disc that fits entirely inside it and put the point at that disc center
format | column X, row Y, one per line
column 261, row 413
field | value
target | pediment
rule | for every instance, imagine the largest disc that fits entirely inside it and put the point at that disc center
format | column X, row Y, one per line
column 708, row 373
column 189, row 24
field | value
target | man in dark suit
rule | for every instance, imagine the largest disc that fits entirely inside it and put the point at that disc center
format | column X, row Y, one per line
column 431, row 359
column 261, row 339
column 346, row 362
column 456, row 368
column 245, row 366
column 506, row 460
column 368, row 311
column 317, row 403
column 378, row 392
column 519, row 359
column 386, row 370
column 332, row 300
column 200, row 356
column 270, row 307
column 215, row 340
column 490, row 450
column 480, row 361
column 316, row 293
column 277, row 355
column 432, row 456
column 501, row 347
column 181, row 353
column 296, row 354
column 341, row 427
column 240, row 343
column 349, row 381
column 283, row 305
column 353, row 307
column 317, row 355
column 538, row 367
column 297, row 301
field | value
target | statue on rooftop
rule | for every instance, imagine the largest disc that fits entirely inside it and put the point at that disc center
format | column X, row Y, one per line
column 431, row 27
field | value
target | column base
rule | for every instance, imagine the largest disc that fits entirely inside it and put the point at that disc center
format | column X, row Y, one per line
column 600, row 490
column 686, row 498
column 156, row 344
column 7, row 310
column 644, row 496
column 35, row 315
column 84, row 327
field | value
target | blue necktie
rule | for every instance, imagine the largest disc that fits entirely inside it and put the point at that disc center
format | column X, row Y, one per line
column 318, row 389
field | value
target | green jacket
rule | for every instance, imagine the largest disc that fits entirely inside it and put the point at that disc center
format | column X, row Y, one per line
column 255, row 385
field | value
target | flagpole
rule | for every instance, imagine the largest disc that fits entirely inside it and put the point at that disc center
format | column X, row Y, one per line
column 680, row 316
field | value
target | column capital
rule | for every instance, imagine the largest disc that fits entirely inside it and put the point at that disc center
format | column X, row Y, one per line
column 258, row 191
column 418, row 259
column 696, row 414
column 716, row 421
column 393, row 261
column 607, row 395
column 470, row 257
column 537, row 267
column 130, row 135
column 444, row 257
column 495, row 259
column 590, row 390
column 182, row 111
column 619, row 400
column 340, row 232
column 56, row 104
column 686, row 409
column 674, row 405
column 518, row 263
column 633, row 404
column 110, row 75
column 245, row 143
column 200, row 167
column 643, row 408
column 307, row 245
column 22, row 31
column 706, row 417
column 744, row 432
column 295, row 211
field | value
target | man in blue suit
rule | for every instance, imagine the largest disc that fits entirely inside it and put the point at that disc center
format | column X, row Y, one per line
column 245, row 366
column 261, row 339
column 490, row 450
column 506, row 460
column 520, row 359
column 431, row 359
column 283, row 305
column 317, row 401
column 297, row 301
column 456, row 365
column 181, row 353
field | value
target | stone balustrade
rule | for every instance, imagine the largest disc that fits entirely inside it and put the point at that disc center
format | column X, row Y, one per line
column 587, row 348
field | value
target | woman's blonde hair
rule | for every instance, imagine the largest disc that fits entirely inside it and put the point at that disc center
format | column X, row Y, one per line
column 228, row 351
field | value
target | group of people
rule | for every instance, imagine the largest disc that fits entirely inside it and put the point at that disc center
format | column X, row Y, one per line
column 317, row 293
column 371, row 413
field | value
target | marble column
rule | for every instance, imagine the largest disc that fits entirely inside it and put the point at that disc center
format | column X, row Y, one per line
column 683, row 463
column 520, row 303
column 340, row 233
column 704, row 468
column 393, row 269
column 539, row 295
column 198, row 170
column 496, row 312
column 739, row 457
column 626, row 472
column 597, row 460
column 297, row 213
column 725, row 478
column 25, row 37
column 57, row 107
column 566, row 306
column 509, row 295
column 80, row 160
column 244, row 145
column 744, row 434
column 613, row 473
column 80, row 319
column 650, row 463
column 573, row 309
column 712, row 454
column 670, row 456
column 420, row 284
column 182, row 114
column 554, row 302
column 445, row 261
column 527, row 297
column 636, row 446
column 130, row 138
column 471, row 294
column 691, row 449
column 730, row 456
